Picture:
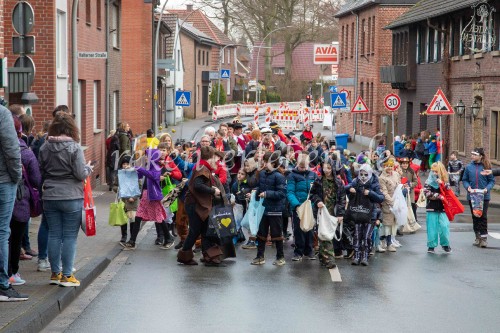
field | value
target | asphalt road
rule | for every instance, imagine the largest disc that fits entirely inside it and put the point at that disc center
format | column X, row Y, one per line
column 407, row 291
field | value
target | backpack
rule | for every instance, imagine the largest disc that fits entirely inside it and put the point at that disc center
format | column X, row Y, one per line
column 420, row 149
column 113, row 154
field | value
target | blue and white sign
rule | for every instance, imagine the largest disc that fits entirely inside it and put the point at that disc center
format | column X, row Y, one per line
column 182, row 98
column 338, row 100
column 333, row 89
column 225, row 73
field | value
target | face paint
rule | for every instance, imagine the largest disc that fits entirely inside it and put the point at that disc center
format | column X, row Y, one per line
column 363, row 176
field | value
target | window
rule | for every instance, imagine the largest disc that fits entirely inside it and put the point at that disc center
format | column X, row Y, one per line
column 97, row 98
column 461, row 43
column 369, row 28
column 373, row 34
column 88, row 16
column 228, row 56
column 208, row 57
column 494, row 135
column 228, row 86
column 406, row 47
column 203, row 63
column 279, row 70
column 352, row 40
column 363, row 34
column 435, row 55
column 99, row 18
column 342, row 46
column 115, row 26
column 61, row 44
column 419, row 45
column 427, row 44
column 346, row 41
column 198, row 94
column 423, row 118
column 368, row 101
column 362, row 94
column 451, row 38
column 115, row 110
column 222, row 56
column 459, row 137
column 372, row 102
column 199, row 57
column 82, row 106
column 178, row 60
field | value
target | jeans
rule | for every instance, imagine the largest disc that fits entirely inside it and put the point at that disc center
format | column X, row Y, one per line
column 43, row 238
column 63, row 218
column 17, row 230
column 303, row 240
column 7, row 199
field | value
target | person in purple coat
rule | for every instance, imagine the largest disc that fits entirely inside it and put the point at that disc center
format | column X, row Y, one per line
column 21, row 214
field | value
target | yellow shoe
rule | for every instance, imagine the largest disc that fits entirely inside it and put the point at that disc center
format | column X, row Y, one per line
column 69, row 281
column 55, row 278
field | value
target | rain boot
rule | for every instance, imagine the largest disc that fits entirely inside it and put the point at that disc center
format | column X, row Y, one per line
column 186, row 258
column 356, row 258
column 213, row 256
column 364, row 258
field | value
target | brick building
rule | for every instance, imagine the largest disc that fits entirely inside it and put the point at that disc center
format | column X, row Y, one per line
column 222, row 55
column 52, row 60
column 364, row 47
column 455, row 46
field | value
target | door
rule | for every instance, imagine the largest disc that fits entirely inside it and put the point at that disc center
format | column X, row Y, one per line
column 204, row 99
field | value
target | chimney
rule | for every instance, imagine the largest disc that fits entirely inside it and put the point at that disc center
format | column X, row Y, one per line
column 189, row 7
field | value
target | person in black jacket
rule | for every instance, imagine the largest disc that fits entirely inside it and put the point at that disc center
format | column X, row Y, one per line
column 272, row 189
column 328, row 191
column 366, row 184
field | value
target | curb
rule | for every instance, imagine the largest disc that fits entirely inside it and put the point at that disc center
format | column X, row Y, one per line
column 41, row 314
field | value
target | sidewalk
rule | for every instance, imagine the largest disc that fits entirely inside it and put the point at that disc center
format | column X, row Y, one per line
column 47, row 301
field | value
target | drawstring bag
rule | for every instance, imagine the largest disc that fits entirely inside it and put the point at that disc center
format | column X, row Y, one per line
column 422, row 200
column 411, row 224
column 305, row 214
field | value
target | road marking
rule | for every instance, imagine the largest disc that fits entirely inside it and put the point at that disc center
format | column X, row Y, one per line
column 335, row 274
column 495, row 235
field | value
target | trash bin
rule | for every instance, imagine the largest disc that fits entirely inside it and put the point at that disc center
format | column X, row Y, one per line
column 341, row 140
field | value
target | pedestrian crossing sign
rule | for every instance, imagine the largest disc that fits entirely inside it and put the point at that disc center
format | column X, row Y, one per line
column 182, row 98
column 439, row 105
column 338, row 100
column 225, row 73
column 360, row 106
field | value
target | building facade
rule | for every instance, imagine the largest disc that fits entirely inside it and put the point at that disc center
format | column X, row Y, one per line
column 455, row 47
column 365, row 47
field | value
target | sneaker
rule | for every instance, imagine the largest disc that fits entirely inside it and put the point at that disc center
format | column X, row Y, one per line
column 167, row 245
column 55, row 278
column 483, row 242
column 447, row 249
column 431, row 250
column 69, row 281
column 396, row 243
column 43, row 265
column 339, row 256
column 123, row 243
column 380, row 249
column 159, row 241
column 11, row 295
column 311, row 257
column 16, row 280
column 391, row 248
column 279, row 262
column 249, row 245
column 297, row 258
column 258, row 261
column 31, row 252
column 349, row 254
column 129, row 246
column 383, row 244
column 179, row 245
column 477, row 241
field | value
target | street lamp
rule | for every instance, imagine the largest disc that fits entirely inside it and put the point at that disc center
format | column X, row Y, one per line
column 155, row 64
column 257, row 86
column 460, row 108
column 220, row 60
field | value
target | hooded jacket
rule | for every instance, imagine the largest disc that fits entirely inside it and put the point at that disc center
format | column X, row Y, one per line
column 298, row 185
column 10, row 156
column 473, row 178
column 63, row 169
column 152, row 175
column 22, row 207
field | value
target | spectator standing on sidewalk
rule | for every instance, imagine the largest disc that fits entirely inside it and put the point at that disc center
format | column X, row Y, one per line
column 10, row 176
column 21, row 214
column 473, row 179
column 63, row 170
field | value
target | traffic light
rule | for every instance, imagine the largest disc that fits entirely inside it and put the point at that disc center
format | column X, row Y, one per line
column 308, row 101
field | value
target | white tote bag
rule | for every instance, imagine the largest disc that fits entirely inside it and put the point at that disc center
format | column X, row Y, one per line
column 327, row 225
column 305, row 213
column 422, row 200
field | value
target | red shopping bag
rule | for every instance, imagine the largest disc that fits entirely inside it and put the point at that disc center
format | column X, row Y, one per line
column 452, row 205
column 88, row 218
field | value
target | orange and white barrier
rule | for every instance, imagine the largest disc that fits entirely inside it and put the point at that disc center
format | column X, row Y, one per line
column 256, row 115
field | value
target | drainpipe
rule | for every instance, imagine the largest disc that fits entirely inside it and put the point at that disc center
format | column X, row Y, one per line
column 107, row 125
column 74, row 64
column 356, row 55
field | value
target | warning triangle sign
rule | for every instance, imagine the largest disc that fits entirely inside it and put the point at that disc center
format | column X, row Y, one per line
column 439, row 105
column 339, row 102
column 182, row 100
column 360, row 106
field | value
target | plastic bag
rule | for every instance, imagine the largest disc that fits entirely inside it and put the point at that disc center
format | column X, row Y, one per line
column 477, row 201
column 89, row 211
column 168, row 186
column 254, row 214
column 117, row 215
column 238, row 215
column 306, row 217
column 327, row 225
column 399, row 209
column 128, row 181
column 452, row 205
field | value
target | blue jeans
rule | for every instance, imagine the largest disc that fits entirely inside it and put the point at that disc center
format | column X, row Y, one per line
column 43, row 238
column 63, row 218
column 7, row 199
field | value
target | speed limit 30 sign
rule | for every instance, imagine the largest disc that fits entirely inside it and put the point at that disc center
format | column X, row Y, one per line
column 392, row 102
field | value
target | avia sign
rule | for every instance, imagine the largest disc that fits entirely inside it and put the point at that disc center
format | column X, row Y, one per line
column 326, row 54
